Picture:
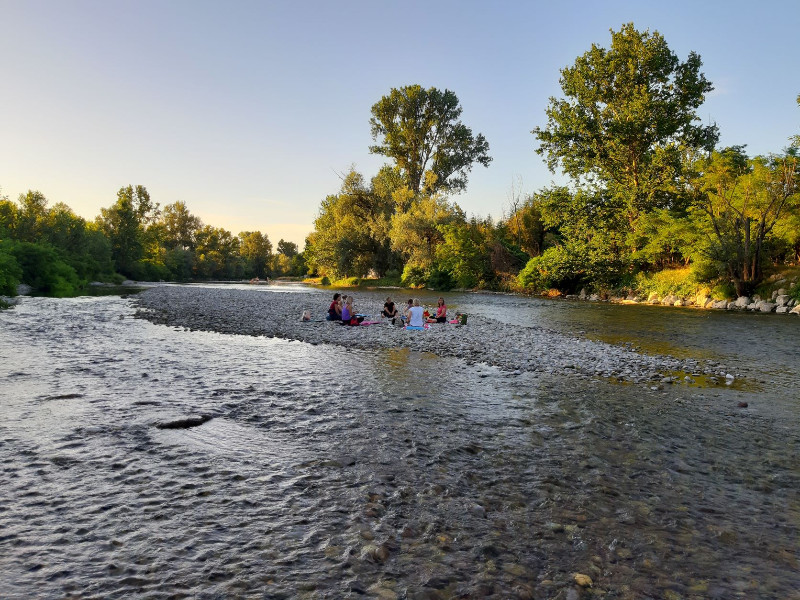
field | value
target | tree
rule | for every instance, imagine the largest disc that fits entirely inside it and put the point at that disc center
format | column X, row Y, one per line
column 256, row 249
column 288, row 249
column 627, row 119
column 351, row 232
column 420, row 130
column 125, row 224
column 417, row 233
column 218, row 253
column 742, row 200
column 31, row 215
column 180, row 226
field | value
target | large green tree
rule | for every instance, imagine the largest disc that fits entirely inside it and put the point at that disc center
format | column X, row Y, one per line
column 627, row 119
column 421, row 132
column 742, row 200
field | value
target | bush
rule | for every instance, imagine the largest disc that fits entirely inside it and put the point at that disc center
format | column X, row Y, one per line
column 414, row 276
column 44, row 270
column 325, row 281
column 10, row 273
column 678, row 282
column 439, row 279
column 724, row 291
column 556, row 268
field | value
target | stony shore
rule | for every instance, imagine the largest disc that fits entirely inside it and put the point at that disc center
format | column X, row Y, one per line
column 779, row 302
column 483, row 340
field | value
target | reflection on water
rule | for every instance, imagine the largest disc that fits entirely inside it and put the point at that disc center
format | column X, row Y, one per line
column 327, row 472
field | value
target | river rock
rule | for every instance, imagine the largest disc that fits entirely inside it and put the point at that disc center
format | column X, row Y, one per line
column 594, row 298
column 781, row 292
column 653, row 298
column 766, row 307
column 782, row 300
column 23, row 289
column 795, row 310
column 742, row 301
column 669, row 300
column 782, row 310
column 720, row 304
column 679, row 302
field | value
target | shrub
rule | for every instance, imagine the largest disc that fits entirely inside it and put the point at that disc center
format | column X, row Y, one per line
column 325, row 281
column 556, row 268
column 679, row 282
column 414, row 276
column 439, row 279
column 724, row 290
column 10, row 274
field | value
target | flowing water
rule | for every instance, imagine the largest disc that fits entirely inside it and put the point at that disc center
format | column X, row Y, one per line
column 332, row 473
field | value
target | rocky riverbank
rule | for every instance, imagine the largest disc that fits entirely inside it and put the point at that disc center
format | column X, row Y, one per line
column 512, row 348
column 779, row 302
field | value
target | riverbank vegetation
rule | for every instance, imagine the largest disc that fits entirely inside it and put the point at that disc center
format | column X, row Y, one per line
column 652, row 204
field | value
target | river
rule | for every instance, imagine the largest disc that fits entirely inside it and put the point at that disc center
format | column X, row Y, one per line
column 330, row 473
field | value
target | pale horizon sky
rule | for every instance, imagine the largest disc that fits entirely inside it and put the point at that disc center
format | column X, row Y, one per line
column 249, row 111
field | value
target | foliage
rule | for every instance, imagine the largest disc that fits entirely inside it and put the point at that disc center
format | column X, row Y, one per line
column 416, row 233
column 10, row 271
column 43, row 269
column 679, row 282
column 125, row 224
column 414, row 276
column 420, row 130
column 628, row 119
column 351, row 231
column 739, row 203
column 180, row 226
column 256, row 250
column 555, row 268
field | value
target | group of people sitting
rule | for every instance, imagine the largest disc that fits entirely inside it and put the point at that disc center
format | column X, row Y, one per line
column 413, row 314
column 342, row 309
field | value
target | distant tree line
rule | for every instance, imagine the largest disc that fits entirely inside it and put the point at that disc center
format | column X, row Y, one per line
column 58, row 253
column 648, row 189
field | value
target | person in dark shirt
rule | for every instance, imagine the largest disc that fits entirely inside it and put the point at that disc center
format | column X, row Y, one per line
column 389, row 310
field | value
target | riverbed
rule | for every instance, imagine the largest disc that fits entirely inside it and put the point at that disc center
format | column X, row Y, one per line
column 326, row 470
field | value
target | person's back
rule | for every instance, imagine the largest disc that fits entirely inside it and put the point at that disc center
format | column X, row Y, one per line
column 415, row 318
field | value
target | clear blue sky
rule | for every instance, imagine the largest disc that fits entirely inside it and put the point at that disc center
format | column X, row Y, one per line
column 249, row 111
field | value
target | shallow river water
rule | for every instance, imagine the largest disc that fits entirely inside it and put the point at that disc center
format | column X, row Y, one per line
column 332, row 473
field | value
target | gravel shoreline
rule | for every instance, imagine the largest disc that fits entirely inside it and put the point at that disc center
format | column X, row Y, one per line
column 483, row 340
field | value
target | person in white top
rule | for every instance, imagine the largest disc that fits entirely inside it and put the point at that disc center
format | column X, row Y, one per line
column 415, row 318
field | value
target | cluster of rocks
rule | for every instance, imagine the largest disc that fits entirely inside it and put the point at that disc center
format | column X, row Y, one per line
column 484, row 340
column 780, row 302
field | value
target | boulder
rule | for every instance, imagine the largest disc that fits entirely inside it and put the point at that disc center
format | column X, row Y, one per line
column 594, row 298
column 742, row 301
column 781, row 292
column 23, row 289
column 583, row 294
column 782, row 310
column 782, row 300
column 795, row 310
column 653, row 298
column 679, row 302
column 774, row 295
column 766, row 307
column 669, row 300
column 720, row 304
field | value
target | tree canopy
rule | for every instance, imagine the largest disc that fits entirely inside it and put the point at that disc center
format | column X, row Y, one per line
column 420, row 130
column 628, row 118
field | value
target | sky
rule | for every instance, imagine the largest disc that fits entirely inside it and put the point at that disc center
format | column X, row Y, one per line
column 251, row 111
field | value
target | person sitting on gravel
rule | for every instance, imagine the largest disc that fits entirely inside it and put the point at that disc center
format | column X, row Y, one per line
column 415, row 318
column 349, row 316
column 389, row 310
column 406, row 308
column 441, row 313
column 335, row 309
